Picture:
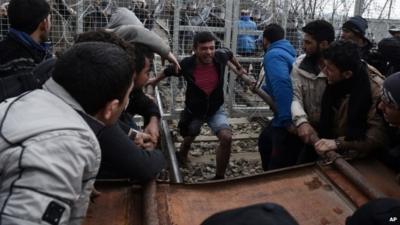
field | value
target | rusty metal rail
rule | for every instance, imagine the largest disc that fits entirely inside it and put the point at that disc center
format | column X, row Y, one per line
column 354, row 175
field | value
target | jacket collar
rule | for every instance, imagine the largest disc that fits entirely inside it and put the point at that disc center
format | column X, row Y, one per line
column 53, row 87
column 305, row 66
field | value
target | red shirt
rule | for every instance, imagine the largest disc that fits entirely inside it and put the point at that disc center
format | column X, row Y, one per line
column 206, row 77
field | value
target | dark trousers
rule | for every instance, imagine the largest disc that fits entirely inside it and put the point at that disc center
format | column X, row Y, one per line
column 278, row 148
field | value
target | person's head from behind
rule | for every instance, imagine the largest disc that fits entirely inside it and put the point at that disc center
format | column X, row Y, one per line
column 390, row 100
column 98, row 76
column 30, row 16
column 318, row 34
column 204, row 47
column 381, row 211
column 259, row 214
column 272, row 33
column 142, row 55
column 341, row 60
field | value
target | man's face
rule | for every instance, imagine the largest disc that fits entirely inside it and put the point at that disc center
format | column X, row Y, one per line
column 390, row 112
column 205, row 52
column 265, row 43
column 143, row 76
column 44, row 36
column 348, row 35
column 333, row 74
column 310, row 45
column 120, row 108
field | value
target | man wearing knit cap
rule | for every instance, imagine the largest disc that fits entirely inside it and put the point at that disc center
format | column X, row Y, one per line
column 395, row 31
column 390, row 107
column 383, row 211
column 24, row 47
column 354, row 30
column 259, row 214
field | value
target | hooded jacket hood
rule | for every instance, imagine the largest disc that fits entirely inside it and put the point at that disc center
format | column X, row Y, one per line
column 126, row 25
column 17, row 126
column 123, row 16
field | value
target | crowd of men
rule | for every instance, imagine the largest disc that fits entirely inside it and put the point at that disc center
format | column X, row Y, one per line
column 66, row 121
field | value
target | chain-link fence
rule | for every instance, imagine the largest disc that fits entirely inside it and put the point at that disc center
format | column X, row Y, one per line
column 233, row 23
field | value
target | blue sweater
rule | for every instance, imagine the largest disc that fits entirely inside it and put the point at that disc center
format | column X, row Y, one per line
column 278, row 61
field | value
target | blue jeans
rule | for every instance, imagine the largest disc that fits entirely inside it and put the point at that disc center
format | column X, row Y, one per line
column 191, row 126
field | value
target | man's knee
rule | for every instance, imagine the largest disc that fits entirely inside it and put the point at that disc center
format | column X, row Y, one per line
column 225, row 136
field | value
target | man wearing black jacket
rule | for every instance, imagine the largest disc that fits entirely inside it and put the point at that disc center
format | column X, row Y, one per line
column 204, row 74
column 24, row 46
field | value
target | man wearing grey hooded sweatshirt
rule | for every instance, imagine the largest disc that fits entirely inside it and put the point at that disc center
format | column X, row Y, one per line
column 49, row 156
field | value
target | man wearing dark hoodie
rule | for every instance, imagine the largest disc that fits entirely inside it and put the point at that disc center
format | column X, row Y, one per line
column 24, row 47
column 275, row 142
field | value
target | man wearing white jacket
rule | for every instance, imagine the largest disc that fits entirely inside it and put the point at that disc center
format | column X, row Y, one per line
column 49, row 156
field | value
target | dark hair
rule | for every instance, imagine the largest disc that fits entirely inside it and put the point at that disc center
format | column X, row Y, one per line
column 273, row 32
column 142, row 52
column 344, row 54
column 102, row 35
column 202, row 37
column 320, row 30
column 94, row 73
column 26, row 15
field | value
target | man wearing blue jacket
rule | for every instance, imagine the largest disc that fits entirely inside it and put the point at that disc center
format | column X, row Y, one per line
column 276, row 142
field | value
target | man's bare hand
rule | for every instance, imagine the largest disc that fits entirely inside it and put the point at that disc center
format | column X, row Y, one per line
column 142, row 140
column 172, row 59
column 153, row 130
column 324, row 145
column 306, row 132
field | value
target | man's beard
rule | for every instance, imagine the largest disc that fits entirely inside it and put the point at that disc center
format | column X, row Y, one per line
column 44, row 37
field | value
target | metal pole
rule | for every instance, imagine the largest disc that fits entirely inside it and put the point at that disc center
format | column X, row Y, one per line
column 176, row 174
column 351, row 173
column 233, row 18
column 358, row 8
column 150, row 203
column 79, row 17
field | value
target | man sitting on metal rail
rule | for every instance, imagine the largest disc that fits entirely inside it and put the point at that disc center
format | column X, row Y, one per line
column 49, row 156
column 276, row 144
column 309, row 83
column 204, row 74
column 349, row 123
column 124, row 156
column 24, row 47
column 125, row 24
column 390, row 107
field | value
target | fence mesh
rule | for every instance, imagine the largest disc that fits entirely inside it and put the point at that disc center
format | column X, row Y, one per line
column 233, row 23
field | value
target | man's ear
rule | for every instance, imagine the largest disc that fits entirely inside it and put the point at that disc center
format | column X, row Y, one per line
column 107, row 113
column 323, row 44
column 347, row 74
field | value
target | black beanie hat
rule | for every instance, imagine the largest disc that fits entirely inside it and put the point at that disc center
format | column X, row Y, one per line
column 384, row 211
column 260, row 214
column 357, row 24
column 391, row 90
column 26, row 15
